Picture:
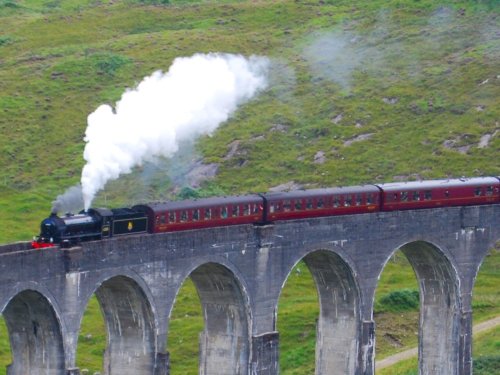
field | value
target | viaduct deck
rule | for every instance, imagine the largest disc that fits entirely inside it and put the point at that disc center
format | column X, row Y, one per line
column 239, row 272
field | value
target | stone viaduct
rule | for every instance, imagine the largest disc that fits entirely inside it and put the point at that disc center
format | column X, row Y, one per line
column 239, row 272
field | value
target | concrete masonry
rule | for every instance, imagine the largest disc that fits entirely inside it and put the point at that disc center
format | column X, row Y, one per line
column 239, row 272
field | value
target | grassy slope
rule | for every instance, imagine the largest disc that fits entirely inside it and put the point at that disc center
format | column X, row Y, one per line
column 60, row 59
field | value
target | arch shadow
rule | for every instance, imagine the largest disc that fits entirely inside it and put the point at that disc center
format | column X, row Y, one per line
column 224, row 343
column 130, row 323
column 338, row 327
column 35, row 335
column 440, row 306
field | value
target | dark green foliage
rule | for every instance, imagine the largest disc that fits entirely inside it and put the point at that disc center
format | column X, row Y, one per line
column 108, row 63
column 188, row 193
column 5, row 39
column 9, row 4
column 400, row 300
column 487, row 365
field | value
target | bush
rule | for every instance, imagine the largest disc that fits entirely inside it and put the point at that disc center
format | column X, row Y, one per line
column 400, row 300
column 486, row 365
column 109, row 63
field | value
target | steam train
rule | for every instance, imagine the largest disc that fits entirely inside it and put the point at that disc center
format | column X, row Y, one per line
column 260, row 209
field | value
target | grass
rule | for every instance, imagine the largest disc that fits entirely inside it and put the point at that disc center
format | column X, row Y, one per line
column 421, row 77
column 485, row 352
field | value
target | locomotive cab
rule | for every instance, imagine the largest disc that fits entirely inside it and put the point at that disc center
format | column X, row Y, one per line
column 49, row 229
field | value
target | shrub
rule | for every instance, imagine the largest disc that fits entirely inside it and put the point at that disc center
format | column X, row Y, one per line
column 400, row 300
column 486, row 365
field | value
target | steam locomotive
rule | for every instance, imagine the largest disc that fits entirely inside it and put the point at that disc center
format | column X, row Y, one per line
column 101, row 223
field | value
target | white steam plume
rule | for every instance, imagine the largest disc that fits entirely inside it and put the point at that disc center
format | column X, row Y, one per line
column 196, row 95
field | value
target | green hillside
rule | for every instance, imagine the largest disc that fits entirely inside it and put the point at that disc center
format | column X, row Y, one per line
column 359, row 92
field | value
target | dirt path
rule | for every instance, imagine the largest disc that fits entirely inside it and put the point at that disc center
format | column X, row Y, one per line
column 393, row 359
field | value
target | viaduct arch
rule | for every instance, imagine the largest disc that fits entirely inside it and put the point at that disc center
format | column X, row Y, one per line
column 239, row 272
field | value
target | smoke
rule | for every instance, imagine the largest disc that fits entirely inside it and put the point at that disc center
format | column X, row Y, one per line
column 196, row 95
column 70, row 201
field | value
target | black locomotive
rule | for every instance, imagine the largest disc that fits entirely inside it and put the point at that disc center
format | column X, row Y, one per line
column 95, row 224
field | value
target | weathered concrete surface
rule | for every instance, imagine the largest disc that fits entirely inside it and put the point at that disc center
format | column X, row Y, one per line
column 239, row 273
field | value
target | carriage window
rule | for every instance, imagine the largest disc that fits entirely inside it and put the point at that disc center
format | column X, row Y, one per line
column 256, row 208
column 309, row 204
column 157, row 220
column 489, row 190
column 319, row 203
column 404, row 196
column 348, row 201
column 236, row 211
column 196, row 215
column 416, row 196
column 336, row 202
column 184, row 216
column 163, row 219
column 369, row 198
column 246, row 209
column 447, row 194
column 298, row 205
column 287, row 205
column 208, row 213
column 428, row 195
column 477, row 192
column 358, row 199
column 223, row 212
column 171, row 217
column 277, row 206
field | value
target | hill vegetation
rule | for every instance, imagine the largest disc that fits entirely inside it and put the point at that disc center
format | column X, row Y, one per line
column 359, row 92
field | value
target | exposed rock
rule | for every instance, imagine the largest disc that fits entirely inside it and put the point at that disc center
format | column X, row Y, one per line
column 258, row 138
column 290, row 185
column 233, row 149
column 390, row 100
column 319, row 157
column 480, row 108
column 279, row 128
column 359, row 138
column 337, row 119
column 485, row 139
column 458, row 144
column 201, row 172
